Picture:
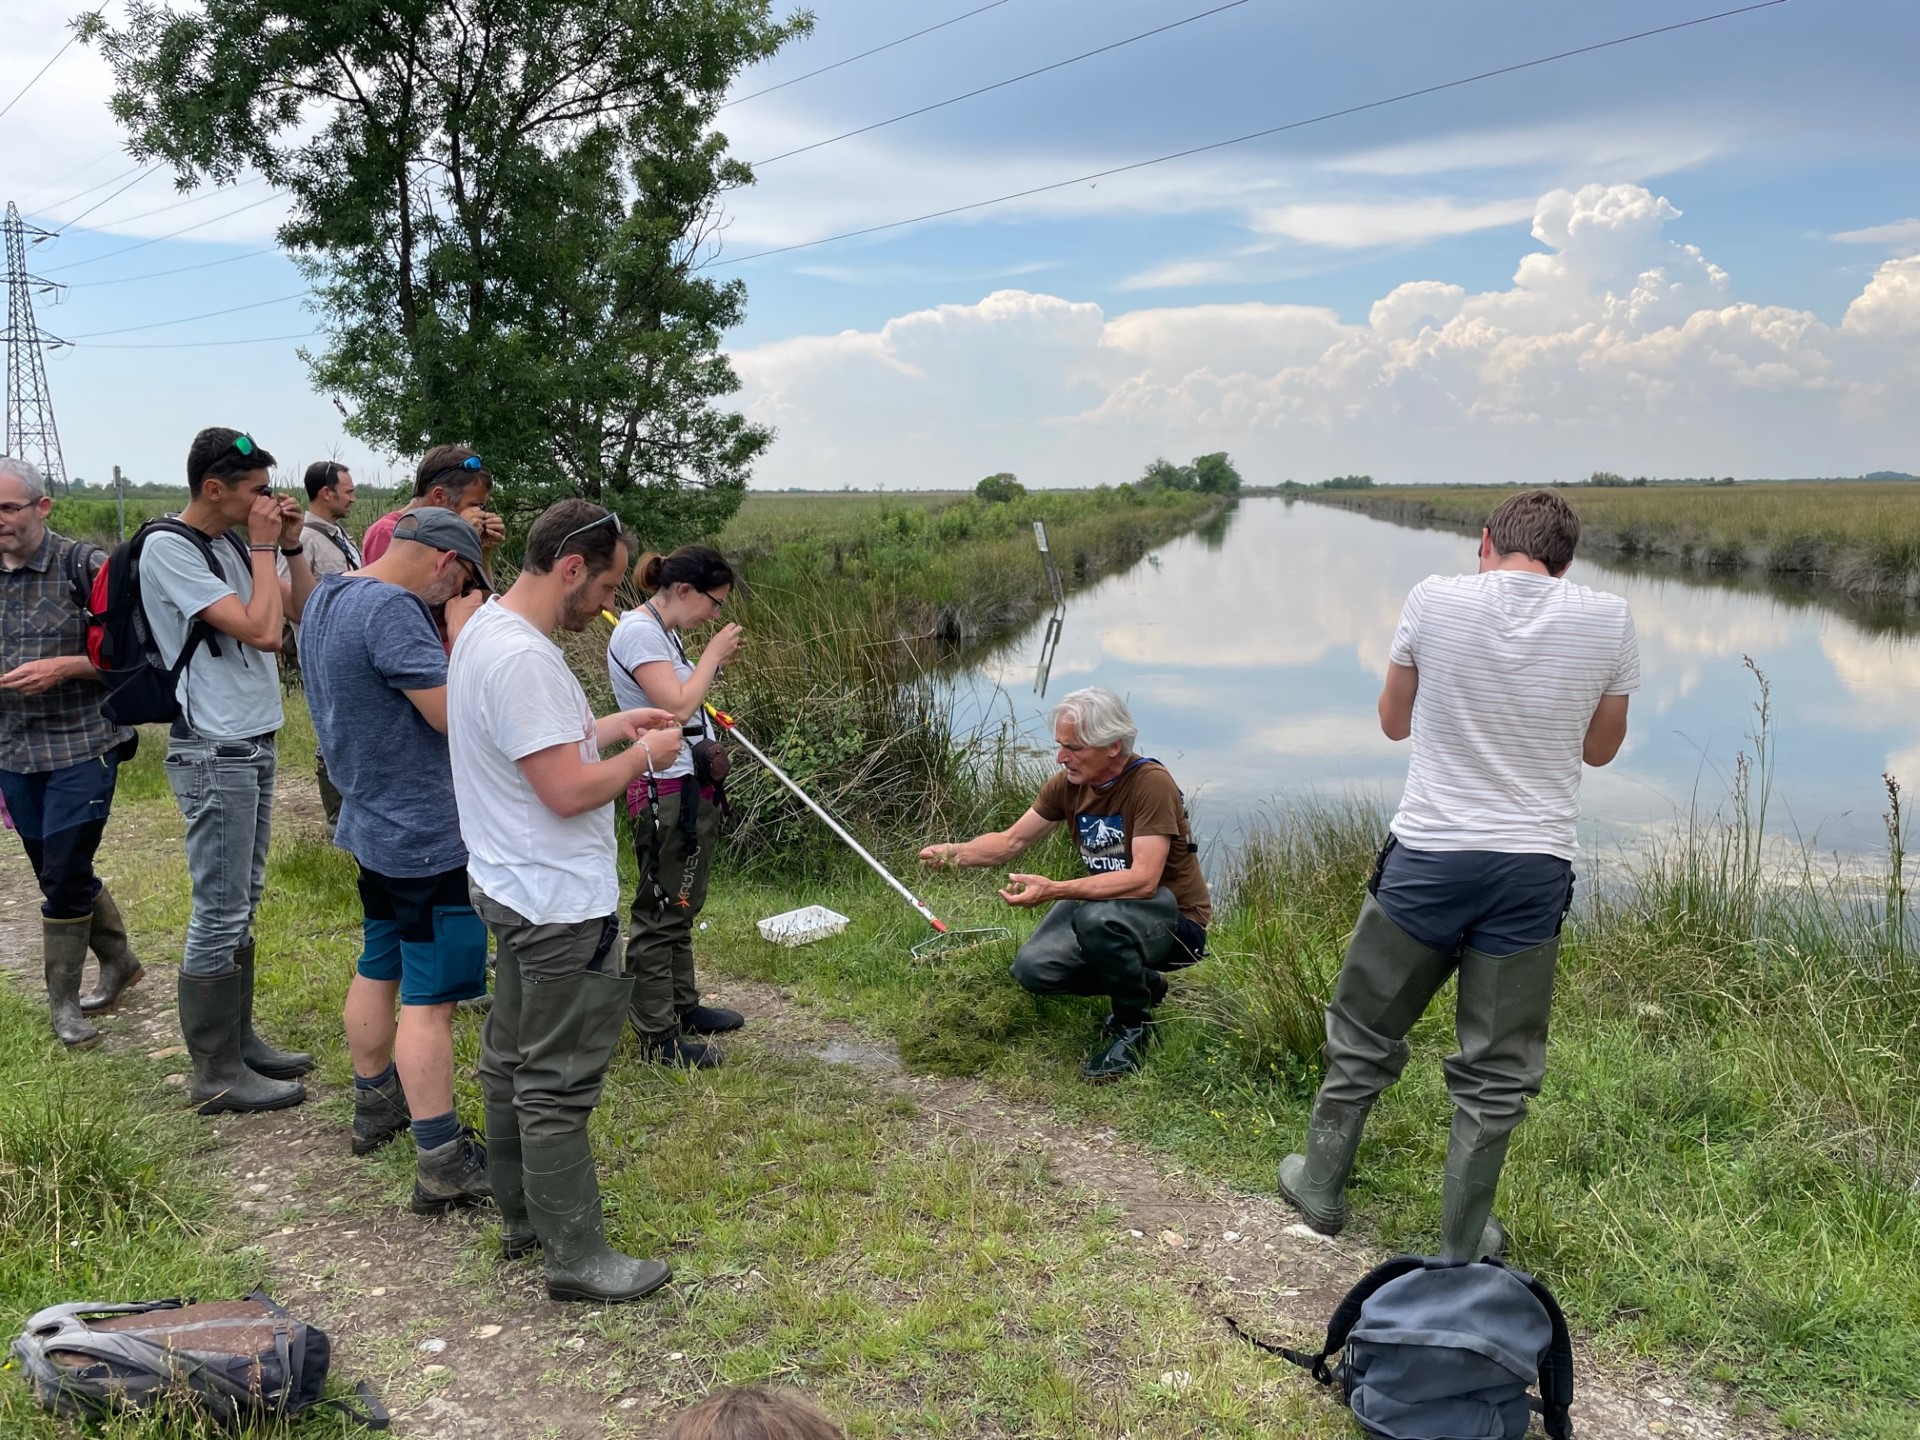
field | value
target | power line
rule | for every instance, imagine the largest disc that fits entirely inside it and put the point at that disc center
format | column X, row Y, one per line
column 177, row 270
column 108, row 155
column 215, row 220
column 175, row 205
column 189, row 319
column 69, row 224
column 203, row 344
column 1002, row 84
column 1254, row 135
column 863, row 54
column 46, row 67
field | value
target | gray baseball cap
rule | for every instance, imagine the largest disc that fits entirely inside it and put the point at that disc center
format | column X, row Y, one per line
column 444, row 530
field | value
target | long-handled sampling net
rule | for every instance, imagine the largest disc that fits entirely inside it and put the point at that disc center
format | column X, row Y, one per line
column 944, row 941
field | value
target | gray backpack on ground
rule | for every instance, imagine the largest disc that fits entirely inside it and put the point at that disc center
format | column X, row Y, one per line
column 1439, row 1351
column 231, row 1361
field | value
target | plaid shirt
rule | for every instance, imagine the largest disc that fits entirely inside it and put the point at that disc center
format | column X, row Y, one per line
column 40, row 618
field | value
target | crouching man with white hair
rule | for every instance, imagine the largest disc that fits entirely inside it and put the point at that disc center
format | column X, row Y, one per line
column 1143, row 906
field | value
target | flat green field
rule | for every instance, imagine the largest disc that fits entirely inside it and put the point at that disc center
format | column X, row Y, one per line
column 1861, row 537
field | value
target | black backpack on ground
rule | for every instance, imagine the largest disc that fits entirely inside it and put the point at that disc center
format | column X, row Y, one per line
column 232, row 1361
column 1438, row 1351
column 141, row 687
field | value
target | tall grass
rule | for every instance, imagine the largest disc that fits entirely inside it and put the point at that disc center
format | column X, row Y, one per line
column 1862, row 538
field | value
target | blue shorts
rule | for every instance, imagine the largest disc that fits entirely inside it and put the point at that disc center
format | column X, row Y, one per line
column 1484, row 900
column 48, row 801
column 424, row 933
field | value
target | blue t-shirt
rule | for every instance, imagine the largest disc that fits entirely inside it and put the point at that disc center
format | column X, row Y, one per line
column 362, row 642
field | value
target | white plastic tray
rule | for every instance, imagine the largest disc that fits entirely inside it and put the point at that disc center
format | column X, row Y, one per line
column 802, row 926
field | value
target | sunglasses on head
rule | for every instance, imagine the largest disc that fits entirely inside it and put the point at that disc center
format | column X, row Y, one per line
column 471, row 464
column 609, row 519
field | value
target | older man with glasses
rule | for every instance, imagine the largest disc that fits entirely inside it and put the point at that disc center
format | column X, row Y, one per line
column 377, row 681
column 58, row 756
column 1142, row 907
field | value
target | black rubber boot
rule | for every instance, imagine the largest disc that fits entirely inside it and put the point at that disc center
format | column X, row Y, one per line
column 563, row 1199
column 1315, row 1183
column 273, row 1063
column 211, row 1021
column 517, row 1237
column 451, row 1176
column 673, row 1048
column 120, row 970
column 1124, row 1051
column 710, row 1020
column 380, row 1112
column 63, row 947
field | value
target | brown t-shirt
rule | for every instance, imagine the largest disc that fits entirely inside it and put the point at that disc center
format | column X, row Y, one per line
column 1143, row 800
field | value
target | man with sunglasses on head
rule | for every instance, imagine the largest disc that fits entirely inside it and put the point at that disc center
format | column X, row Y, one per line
column 376, row 677
column 224, row 603
column 536, row 811
column 330, row 551
column 450, row 477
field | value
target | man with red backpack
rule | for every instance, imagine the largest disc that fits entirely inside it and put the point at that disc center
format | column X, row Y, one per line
column 213, row 603
column 58, row 756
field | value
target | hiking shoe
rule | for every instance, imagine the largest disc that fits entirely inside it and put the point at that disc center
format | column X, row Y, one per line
column 380, row 1112
column 678, row 1050
column 1124, row 1051
column 450, row 1176
column 710, row 1020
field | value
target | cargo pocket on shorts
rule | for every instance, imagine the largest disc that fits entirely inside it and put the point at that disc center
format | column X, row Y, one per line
column 460, row 936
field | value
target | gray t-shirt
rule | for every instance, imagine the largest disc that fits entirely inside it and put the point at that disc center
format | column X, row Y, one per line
column 232, row 695
column 640, row 639
column 363, row 642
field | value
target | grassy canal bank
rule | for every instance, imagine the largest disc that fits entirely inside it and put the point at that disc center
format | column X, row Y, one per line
column 1859, row 538
column 1720, row 1177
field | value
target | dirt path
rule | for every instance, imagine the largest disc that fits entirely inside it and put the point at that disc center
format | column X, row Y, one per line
column 461, row 1346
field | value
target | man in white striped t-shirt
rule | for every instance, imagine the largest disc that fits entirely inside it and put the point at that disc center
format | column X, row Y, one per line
column 1506, row 681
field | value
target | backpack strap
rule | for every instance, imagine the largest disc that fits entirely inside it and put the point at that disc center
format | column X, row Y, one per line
column 80, row 574
column 1556, row 1369
column 1345, row 1317
column 369, row 1412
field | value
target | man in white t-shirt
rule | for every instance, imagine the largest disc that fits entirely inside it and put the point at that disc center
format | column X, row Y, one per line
column 536, row 814
column 209, row 588
column 1506, row 681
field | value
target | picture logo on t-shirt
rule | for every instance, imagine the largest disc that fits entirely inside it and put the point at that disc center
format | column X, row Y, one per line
column 1103, row 841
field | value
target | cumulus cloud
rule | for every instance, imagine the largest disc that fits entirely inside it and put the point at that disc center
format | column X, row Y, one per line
column 1615, row 346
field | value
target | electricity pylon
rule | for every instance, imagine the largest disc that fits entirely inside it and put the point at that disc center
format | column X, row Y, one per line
column 30, row 433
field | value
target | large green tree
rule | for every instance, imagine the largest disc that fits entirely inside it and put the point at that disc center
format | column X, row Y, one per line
column 504, row 208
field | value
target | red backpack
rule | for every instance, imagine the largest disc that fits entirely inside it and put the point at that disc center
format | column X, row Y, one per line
column 141, row 686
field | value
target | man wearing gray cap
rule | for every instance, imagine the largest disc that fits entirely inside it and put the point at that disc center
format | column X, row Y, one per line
column 376, row 675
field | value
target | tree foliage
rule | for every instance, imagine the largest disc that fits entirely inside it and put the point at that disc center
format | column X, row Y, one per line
column 1000, row 488
column 504, row 207
column 1215, row 474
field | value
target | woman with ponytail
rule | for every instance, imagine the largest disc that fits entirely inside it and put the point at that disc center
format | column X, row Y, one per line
column 676, row 820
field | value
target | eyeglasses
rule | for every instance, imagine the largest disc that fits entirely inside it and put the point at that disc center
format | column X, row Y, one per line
column 472, row 464
column 10, row 511
column 610, row 518
column 719, row 601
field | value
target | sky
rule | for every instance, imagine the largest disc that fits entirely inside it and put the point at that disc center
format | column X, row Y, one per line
column 1697, row 253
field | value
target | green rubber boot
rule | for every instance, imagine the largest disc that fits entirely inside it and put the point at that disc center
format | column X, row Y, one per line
column 563, row 1200
column 1315, row 1183
column 274, row 1063
column 120, row 969
column 211, row 1022
column 1468, row 1230
column 63, row 948
column 517, row 1237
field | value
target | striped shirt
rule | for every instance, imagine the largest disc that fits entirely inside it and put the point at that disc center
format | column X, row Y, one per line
column 1512, row 666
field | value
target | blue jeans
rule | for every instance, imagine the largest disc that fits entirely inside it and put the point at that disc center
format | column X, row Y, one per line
column 225, row 791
